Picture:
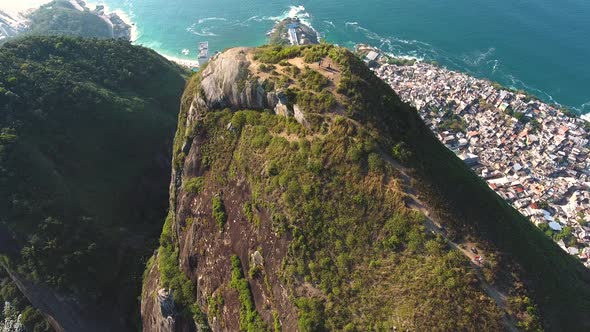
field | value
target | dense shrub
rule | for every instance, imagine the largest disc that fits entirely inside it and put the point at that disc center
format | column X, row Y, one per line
column 275, row 54
column 194, row 185
column 250, row 320
column 312, row 80
column 219, row 213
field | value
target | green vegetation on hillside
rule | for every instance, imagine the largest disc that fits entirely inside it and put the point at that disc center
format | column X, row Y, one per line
column 219, row 211
column 182, row 289
column 85, row 125
column 250, row 320
column 194, row 185
column 349, row 227
column 365, row 259
column 555, row 280
column 173, row 279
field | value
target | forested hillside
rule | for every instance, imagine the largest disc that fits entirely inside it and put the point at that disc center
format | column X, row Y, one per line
column 85, row 131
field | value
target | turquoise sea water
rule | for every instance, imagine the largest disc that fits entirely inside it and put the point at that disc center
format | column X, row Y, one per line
column 542, row 46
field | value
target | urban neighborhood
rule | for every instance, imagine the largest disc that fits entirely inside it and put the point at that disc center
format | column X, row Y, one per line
column 533, row 154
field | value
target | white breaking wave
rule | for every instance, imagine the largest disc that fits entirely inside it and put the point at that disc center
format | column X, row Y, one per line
column 584, row 108
column 518, row 84
column 298, row 11
column 330, row 23
column 126, row 15
column 294, row 11
column 495, row 66
column 200, row 31
column 200, row 28
column 246, row 23
column 13, row 15
column 407, row 57
column 478, row 57
column 207, row 19
column 127, row 19
column 254, row 18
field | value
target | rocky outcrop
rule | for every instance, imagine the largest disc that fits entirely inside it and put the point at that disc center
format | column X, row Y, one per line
column 158, row 311
column 299, row 116
column 204, row 251
column 227, row 82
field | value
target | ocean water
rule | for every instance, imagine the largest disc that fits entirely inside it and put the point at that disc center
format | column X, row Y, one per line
column 542, row 46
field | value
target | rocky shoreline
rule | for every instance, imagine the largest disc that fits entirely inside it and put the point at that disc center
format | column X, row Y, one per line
column 293, row 31
column 121, row 28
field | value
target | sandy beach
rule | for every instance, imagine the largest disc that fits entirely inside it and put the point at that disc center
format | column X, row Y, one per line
column 183, row 62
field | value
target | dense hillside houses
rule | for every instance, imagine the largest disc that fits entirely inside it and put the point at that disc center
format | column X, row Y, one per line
column 532, row 154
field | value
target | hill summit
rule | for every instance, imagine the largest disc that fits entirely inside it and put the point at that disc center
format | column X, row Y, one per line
column 306, row 196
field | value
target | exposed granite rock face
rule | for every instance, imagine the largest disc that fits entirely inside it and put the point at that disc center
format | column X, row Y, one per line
column 282, row 107
column 299, row 115
column 158, row 312
column 204, row 251
column 227, row 82
column 166, row 302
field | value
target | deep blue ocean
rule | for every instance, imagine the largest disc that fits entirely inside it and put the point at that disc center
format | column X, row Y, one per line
column 542, row 46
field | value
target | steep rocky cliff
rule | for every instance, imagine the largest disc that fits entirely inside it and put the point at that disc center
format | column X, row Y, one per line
column 310, row 198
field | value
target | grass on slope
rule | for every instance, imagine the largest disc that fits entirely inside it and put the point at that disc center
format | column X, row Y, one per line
column 341, row 205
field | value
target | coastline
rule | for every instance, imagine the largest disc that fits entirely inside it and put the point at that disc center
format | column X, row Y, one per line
column 531, row 153
column 133, row 30
column 190, row 64
column 361, row 49
column 126, row 15
column 134, row 33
